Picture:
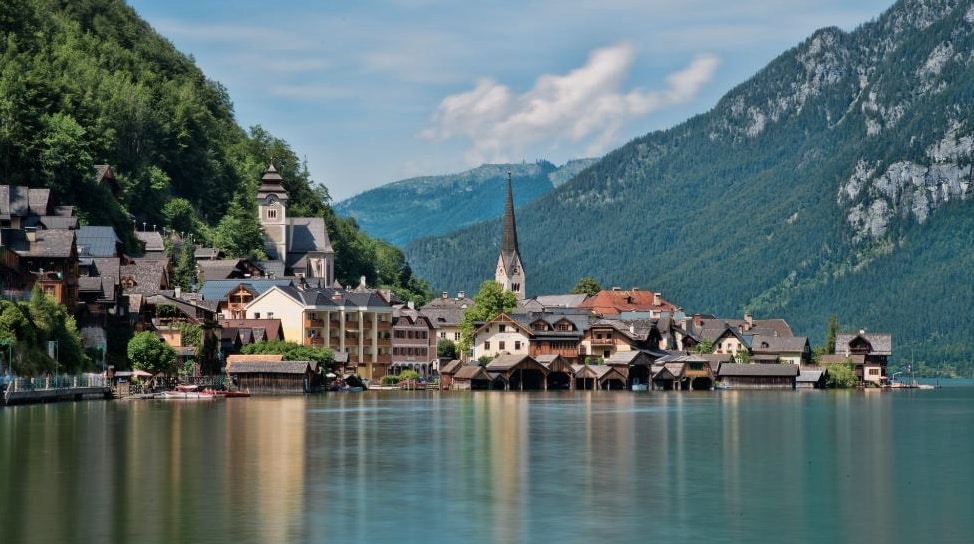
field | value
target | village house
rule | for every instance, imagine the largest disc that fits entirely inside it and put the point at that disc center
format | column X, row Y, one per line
column 413, row 342
column 445, row 313
column 868, row 352
column 606, row 337
column 359, row 324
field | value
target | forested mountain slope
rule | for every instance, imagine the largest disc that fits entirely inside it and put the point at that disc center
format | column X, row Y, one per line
column 836, row 180
column 432, row 205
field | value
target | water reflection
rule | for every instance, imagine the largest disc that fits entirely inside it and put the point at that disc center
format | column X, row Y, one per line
column 494, row 467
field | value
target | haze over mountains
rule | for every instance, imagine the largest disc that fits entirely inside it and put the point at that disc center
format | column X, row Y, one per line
column 836, row 180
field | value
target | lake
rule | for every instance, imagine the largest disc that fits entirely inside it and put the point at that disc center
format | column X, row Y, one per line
column 495, row 467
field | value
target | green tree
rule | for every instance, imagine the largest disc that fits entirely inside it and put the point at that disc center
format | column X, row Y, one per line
column 184, row 274
column 239, row 233
column 291, row 351
column 180, row 216
column 587, row 286
column 705, row 346
column 490, row 301
column 150, row 353
column 446, row 349
column 831, row 333
column 840, row 376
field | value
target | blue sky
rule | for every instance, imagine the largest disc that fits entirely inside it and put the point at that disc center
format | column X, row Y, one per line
column 372, row 92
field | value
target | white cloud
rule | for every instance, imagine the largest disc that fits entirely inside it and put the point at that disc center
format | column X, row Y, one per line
column 587, row 106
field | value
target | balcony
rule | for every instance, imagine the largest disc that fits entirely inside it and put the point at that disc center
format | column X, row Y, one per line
column 314, row 323
column 602, row 342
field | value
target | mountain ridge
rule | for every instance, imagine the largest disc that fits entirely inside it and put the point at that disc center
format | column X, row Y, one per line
column 836, row 162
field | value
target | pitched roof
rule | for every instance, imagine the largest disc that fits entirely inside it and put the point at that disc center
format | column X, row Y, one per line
column 47, row 243
column 271, row 367
column 778, row 344
column 758, row 369
column 308, row 235
column 506, row 362
column 97, row 241
column 149, row 276
column 611, row 302
column 882, row 343
column 218, row 289
column 152, row 241
column 471, row 372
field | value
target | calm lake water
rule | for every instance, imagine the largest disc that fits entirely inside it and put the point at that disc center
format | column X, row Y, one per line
column 593, row 466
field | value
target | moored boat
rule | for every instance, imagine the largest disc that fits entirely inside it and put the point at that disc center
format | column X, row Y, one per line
column 190, row 392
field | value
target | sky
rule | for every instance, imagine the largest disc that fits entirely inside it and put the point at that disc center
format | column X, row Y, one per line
column 375, row 91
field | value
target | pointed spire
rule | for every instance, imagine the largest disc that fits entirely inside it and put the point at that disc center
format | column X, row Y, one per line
column 509, row 240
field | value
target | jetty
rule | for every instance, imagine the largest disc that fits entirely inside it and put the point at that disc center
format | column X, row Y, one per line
column 55, row 389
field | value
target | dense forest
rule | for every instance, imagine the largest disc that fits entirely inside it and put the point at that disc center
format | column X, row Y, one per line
column 835, row 181
column 85, row 82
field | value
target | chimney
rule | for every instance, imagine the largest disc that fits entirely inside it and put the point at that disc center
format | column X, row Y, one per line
column 657, row 298
column 748, row 321
column 444, row 295
column 361, row 282
column 31, row 233
column 461, row 294
column 411, row 305
column 178, row 291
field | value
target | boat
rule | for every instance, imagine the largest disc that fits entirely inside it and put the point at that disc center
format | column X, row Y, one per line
column 190, row 392
column 233, row 393
column 636, row 386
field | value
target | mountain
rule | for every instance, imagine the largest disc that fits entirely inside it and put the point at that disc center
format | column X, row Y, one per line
column 427, row 206
column 835, row 181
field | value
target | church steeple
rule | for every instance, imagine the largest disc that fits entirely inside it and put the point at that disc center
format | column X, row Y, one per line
column 510, row 270
column 272, row 200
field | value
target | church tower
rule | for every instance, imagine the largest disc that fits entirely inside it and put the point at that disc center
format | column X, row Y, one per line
column 272, row 207
column 510, row 271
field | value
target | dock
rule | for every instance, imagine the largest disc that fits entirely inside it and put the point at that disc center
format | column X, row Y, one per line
column 59, row 389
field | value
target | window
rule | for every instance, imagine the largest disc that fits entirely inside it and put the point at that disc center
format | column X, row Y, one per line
column 501, row 328
column 517, row 345
column 486, row 345
column 501, row 345
column 272, row 214
column 456, row 337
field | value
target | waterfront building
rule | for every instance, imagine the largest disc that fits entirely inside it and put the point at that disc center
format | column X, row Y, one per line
column 413, row 342
column 358, row 324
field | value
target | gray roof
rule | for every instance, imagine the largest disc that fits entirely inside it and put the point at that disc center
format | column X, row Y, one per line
column 758, row 369
column 777, row 344
column 218, row 289
column 149, row 276
column 561, row 301
column 882, row 343
column 219, row 269
column 152, row 241
column 48, row 243
column 309, row 235
column 271, row 367
column 52, row 222
column 330, row 296
column 471, row 372
column 95, row 241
